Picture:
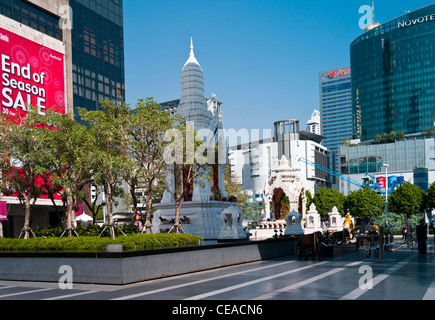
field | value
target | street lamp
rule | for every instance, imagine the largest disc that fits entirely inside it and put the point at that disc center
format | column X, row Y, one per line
column 386, row 194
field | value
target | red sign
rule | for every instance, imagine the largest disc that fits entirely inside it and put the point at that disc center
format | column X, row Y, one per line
column 339, row 73
column 30, row 74
column 3, row 211
column 381, row 182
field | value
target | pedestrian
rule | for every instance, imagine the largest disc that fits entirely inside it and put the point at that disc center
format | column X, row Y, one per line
column 404, row 229
column 422, row 237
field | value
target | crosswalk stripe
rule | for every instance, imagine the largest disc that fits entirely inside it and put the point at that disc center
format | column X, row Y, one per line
column 249, row 283
column 295, row 286
column 141, row 294
column 355, row 294
column 71, row 295
column 24, row 292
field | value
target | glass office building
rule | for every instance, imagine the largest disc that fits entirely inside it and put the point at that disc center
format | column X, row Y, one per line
column 393, row 76
column 31, row 16
column 401, row 155
column 413, row 159
column 335, row 109
column 97, row 52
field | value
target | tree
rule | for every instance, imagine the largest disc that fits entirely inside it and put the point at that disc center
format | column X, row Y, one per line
column 407, row 199
column 309, row 197
column 69, row 144
column 326, row 198
column 233, row 187
column 431, row 197
column 108, row 152
column 23, row 160
column 182, row 166
column 143, row 133
column 365, row 203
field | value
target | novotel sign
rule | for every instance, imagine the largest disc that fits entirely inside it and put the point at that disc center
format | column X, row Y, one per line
column 412, row 22
column 339, row 73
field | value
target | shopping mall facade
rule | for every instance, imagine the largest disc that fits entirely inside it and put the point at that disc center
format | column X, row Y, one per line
column 58, row 54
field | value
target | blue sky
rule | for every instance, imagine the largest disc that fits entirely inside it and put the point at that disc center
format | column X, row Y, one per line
column 261, row 57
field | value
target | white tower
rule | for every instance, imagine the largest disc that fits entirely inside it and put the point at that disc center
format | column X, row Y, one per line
column 204, row 209
column 313, row 125
column 193, row 105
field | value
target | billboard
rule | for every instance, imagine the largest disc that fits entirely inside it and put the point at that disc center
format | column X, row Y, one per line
column 3, row 211
column 30, row 74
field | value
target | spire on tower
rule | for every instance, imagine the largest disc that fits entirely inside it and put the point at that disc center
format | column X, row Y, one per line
column 191, row 47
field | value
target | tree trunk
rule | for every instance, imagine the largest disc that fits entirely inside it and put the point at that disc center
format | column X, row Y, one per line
column 148, row 226
column 69, row 214
column 177, row 226
column 134, row 198
column 25, row 232
column 109, row 197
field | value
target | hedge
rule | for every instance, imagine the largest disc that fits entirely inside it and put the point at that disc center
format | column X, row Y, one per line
column 86, row 243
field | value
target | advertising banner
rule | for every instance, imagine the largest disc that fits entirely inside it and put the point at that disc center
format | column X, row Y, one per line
column 30, row 74
column 3, row 211
column 381, row 182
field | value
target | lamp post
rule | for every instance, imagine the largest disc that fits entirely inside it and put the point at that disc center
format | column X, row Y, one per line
column 386, row 194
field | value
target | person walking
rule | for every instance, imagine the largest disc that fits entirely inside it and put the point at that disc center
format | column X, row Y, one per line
column 422, row 237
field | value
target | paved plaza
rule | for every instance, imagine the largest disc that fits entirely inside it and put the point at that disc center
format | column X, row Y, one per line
column 404, row 275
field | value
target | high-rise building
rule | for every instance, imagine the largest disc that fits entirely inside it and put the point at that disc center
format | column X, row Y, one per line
column 300, row 146
column 97, row 52
column 57, row 54
column 335, row 109
column 313, row 125
column 393, row 76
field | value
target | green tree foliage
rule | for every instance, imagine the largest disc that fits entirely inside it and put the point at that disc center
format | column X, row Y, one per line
column 365, row 203
column 389, row 137
column 143, row 131
column 108, row 151
column 185, row 166
column 326, row 198
column 431, row 197
column 23, row 160
column 72, row 166
column 408, row 199
column 309, row 197
column 233, row 187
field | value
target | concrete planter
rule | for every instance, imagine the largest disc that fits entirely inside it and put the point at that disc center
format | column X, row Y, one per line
column 119, row 268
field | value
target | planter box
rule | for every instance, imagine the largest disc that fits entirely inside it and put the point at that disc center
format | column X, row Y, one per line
column 119, row 268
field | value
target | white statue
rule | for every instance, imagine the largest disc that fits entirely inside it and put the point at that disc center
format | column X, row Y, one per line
column 313, row 223
column 232, row 228
column 335, row 220
column 294, row 224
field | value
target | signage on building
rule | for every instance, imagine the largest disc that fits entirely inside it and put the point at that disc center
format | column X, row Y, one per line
column 3, row 211
column 30, row 74
column 412, row 22
column 339, row 73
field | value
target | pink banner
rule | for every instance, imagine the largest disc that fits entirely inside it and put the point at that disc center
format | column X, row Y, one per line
column 30, row 74
column 381, row 182
column 3, row 211
column 79, row 211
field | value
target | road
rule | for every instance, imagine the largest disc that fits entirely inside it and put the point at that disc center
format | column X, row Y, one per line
column 403, row 275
